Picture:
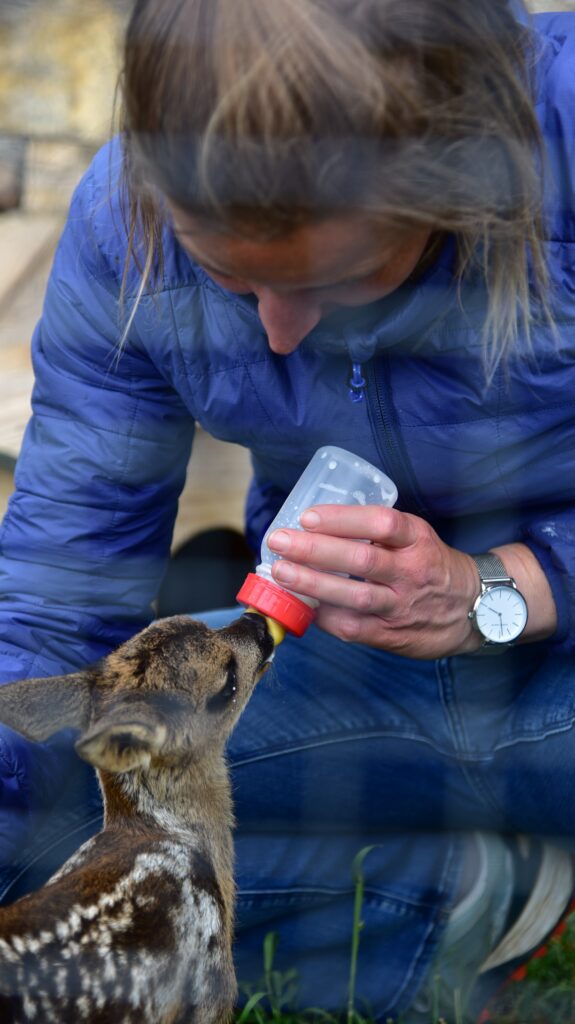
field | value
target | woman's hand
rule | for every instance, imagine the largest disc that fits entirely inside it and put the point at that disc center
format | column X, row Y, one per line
column 409, row 592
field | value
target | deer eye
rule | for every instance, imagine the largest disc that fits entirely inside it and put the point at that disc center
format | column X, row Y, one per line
column 227, row 694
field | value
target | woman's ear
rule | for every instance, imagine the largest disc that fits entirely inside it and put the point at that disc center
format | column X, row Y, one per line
column 37, row 708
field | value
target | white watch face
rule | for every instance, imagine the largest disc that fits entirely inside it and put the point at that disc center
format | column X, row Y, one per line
column 501, row 614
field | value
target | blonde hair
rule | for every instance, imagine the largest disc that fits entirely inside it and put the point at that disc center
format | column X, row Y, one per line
column 257, row 116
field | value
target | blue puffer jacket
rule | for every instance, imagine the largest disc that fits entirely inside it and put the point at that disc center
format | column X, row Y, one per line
column 86, row 537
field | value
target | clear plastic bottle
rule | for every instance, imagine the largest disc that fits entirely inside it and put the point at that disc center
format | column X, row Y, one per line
column 333, row 477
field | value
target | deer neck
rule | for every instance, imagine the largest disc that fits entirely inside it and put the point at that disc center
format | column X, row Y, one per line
column 174, row 800
column 193, row 806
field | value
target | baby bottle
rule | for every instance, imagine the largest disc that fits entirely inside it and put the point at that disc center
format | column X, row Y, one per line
column 333, row 477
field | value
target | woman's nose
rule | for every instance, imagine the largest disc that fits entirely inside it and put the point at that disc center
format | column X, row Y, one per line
column 287, row 318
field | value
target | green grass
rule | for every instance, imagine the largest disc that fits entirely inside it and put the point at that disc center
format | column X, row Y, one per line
column 270, row 1001
column 544, row 993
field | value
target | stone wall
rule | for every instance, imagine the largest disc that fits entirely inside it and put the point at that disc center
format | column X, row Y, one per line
column 60, row 62
column 59, row 67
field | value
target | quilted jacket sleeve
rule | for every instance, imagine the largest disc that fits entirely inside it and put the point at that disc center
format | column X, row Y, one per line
column 86, row 536
column 551, row 537
column 84, row 542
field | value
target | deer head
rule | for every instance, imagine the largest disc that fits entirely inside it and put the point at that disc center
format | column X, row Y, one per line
column 173, row 691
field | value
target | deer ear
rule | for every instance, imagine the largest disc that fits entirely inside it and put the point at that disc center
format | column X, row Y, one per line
column 121, row 746
column 37, row 708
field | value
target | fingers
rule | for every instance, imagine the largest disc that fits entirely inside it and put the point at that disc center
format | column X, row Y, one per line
column 386, row 526
column 330, row 554
column 341, row 592
column 353, row 627
column 404, row 591
column 374, row 631
column 332, row 544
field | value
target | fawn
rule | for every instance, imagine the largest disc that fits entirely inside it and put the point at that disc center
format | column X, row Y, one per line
column 137, row 925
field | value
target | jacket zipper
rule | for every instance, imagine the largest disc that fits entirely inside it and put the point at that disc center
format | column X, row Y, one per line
column 389, row 442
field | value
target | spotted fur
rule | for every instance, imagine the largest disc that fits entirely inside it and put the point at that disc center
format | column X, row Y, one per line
column 137, row 925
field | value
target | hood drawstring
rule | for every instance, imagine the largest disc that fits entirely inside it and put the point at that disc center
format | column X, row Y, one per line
column 357, row 383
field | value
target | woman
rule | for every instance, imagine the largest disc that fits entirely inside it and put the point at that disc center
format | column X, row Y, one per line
column 327, row 225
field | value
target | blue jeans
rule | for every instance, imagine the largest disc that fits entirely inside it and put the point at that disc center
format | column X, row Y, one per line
column 343, row 747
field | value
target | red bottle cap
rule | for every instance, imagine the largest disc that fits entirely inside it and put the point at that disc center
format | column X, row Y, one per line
column 269, row 599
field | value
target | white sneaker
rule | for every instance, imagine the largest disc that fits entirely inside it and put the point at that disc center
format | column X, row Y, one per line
column 477, row 937
column 549, row 898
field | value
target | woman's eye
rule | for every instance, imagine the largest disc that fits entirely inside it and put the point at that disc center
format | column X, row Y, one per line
column 227, row 695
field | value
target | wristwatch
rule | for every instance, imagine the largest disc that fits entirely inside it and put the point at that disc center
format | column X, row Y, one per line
column 500, row 612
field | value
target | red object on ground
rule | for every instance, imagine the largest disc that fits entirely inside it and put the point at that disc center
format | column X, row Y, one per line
column 269, row 599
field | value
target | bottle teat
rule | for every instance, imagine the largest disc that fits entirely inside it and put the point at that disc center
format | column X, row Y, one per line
column 276, row 630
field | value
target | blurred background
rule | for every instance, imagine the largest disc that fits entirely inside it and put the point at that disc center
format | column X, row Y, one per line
column 58, row 70
column 58, row 73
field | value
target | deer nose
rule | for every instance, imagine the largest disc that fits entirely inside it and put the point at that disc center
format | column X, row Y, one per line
column 258, row 624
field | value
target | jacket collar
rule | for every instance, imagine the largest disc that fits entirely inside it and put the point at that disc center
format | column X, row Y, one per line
column 401, row 319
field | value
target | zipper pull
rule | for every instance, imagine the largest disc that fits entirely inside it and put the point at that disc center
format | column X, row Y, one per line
column 357, row 383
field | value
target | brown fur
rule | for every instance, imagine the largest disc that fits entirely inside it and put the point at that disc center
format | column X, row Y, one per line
column 137, row 925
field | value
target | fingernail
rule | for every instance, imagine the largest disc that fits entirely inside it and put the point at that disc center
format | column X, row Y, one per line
column 284, row 573
column 279, row 540
column 310, row 519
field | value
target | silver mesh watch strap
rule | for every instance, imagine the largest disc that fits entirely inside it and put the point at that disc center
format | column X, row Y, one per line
column 491, row 569
column 491, row 572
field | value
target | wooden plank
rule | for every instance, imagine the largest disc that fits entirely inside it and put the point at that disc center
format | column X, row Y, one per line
column 26, row 248
column 52, row 171
column 14, row 412
column 24, row 243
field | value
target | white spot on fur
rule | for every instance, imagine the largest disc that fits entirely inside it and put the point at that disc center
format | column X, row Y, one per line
column 83, row 1005
column 61, row 980
column 29, row 1007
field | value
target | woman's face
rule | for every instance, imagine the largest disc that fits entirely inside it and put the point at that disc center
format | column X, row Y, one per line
column 299, row 278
